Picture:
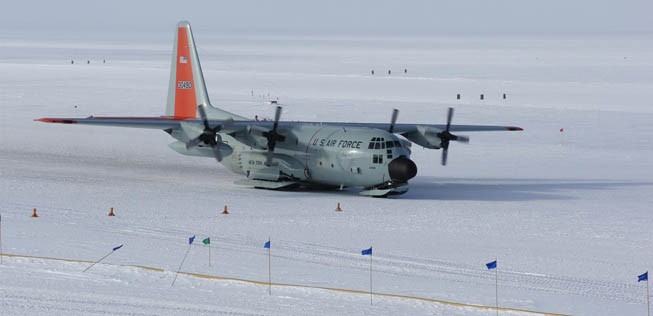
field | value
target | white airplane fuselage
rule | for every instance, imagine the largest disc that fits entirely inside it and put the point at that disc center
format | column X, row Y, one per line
column 321, row 155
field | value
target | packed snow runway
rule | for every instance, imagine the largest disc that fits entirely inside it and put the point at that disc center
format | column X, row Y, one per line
column 567, row 214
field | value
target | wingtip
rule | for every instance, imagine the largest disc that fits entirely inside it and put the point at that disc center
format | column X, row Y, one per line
column 53, row 120
column 514, row 128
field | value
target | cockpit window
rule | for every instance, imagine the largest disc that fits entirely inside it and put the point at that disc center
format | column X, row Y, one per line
column 397, row 143
column 389, row 144
column 379, row 143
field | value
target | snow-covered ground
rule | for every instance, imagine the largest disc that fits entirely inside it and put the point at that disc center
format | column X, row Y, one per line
column 568, row 215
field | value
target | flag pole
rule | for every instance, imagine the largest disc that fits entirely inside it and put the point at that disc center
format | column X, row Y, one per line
column 181, row 264
column 105, row 256
column 1, row 253
column 207, row 242
column 269, row 269
column 496, row 286
column 370, row 279
column 94, row 263
column 179, row 269
column 648, row 299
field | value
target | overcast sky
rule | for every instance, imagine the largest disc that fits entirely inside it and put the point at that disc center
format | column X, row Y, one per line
column 351, row 17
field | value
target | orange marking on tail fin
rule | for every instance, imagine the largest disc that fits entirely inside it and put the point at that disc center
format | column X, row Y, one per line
column 185, row 98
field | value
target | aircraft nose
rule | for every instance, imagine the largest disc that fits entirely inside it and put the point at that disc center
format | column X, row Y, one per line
column 402, row 169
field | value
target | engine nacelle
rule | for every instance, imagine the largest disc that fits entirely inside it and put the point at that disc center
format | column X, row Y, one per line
column 198, row 151
column 426, row 137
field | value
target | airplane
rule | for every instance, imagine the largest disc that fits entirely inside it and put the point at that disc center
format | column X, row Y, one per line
column 275, row 154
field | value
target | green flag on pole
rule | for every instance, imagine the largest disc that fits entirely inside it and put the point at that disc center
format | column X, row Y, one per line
column 207, row 241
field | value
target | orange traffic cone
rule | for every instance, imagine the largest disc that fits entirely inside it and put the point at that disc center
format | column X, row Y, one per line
column 34, row 213
column 338, row 209
column 225, row 212
column 111, row 213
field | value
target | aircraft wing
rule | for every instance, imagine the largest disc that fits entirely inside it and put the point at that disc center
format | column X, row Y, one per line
column 157, row 122
column 137, row 122
column 165, row 122
column 409, row 128
column 426, row 135
column 432, row 136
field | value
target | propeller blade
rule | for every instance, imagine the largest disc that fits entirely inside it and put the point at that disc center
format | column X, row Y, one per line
column 268, row 158
column 445, row 151
column 449, row 117
column 447, row 137
column 203, row 116
column 272, row 137
column 194, row 142
column 277, row 115
column 393, row 120
column 210, row 135
column 272, row 142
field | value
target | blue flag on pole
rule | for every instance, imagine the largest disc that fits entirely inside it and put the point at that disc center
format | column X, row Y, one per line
column 643, row 277
column 117, row 247
column 267, row 245
column 491, row 265
column 191, row 239
column 367, row 252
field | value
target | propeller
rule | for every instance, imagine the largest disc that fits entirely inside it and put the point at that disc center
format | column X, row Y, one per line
column 273, row 136
column 446, row 137
column 393, row 120
column 209, row 135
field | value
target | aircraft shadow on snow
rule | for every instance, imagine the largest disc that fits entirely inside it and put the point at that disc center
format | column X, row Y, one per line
column 496, row 189
column 508, row 189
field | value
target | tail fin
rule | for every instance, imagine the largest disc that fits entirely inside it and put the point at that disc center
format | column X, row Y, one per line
column 187, row 89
